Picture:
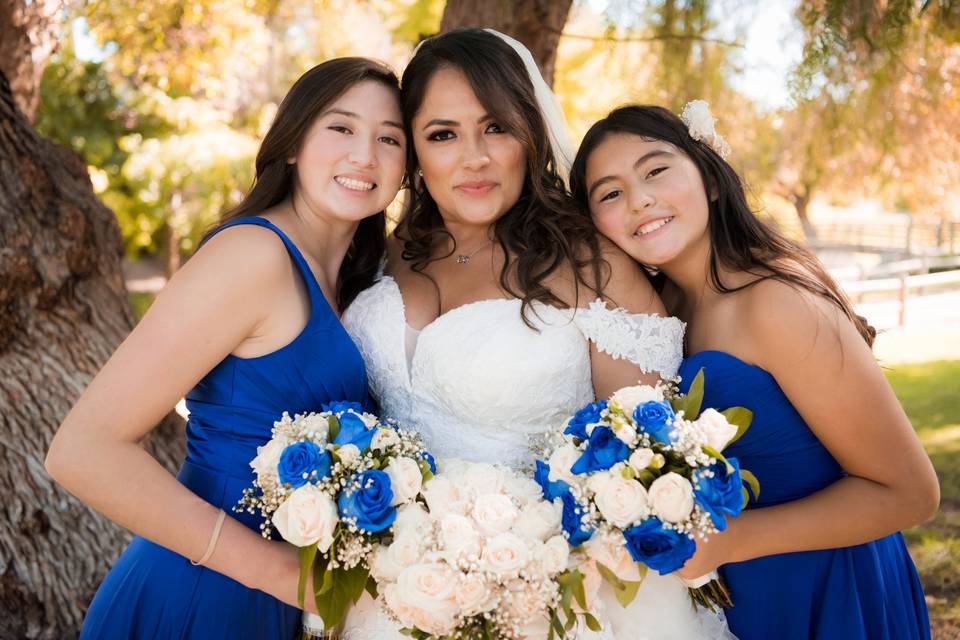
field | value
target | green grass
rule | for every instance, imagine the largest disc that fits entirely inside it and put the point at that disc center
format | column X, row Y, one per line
column 930, row 393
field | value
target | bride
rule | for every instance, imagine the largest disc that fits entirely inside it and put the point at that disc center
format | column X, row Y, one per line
column 501, row 312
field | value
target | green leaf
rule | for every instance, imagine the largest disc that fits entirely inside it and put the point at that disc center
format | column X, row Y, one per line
column 333, row 428
column 746, row 498
column 592, row 623
column 694, row 398
column 713, row 453
column 347, row 586
column 625, row 590
column 740, row 416
column 576, row 583
column 556, row 626
column 752, row 482
column 371, row 587
column 307, row 556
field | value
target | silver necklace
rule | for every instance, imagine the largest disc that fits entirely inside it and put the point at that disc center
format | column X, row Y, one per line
column 463, row 258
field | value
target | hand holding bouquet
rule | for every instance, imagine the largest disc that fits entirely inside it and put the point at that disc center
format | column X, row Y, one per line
column 331, row 483
column 641, row 476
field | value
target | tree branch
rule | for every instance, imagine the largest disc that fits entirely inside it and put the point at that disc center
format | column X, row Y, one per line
column 665, row 36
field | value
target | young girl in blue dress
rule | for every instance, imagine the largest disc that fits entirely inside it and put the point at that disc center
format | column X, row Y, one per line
column 841, row 471
column 247, row 329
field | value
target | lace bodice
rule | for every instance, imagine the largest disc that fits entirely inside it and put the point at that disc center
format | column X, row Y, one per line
column 482, row 384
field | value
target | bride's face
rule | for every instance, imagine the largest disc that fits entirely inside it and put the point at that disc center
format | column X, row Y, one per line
column 647, row 197
column 472, row 167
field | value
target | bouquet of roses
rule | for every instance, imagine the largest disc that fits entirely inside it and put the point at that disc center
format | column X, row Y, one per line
column 485, row 560
column 641, row 476
column 331, row 483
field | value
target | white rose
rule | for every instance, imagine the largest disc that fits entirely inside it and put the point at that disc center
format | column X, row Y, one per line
column 626, row 433
column 641, row 458
column 405, row 549
column 348, row 454
column 599, row 479
column 429, row 591
column 307, row 516
column 459, row 536
column 505, row 554
column 716, row 428
column 494, row 513
column 396, row 604
column 629, row 397
column 443, row 496
column 484, row 478
column 671, row 497
column 525, row 489
column 554, row 555
column 406, row 479
column 561, row 461
column 608, row 548
column 368, row 419
column 538, row 628
column 383, row 438
column 314, row 423
column 538, row 520
column 622, row 502
column 268, row 457
column 524, row 604
column 475, row 595
column 382, row 566
column 411, row 516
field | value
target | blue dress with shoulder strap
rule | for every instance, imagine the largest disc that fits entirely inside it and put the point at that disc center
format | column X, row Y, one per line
column 865, row 592
column 153, row 592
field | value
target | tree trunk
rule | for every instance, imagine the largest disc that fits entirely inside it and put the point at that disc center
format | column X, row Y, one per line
column 28, row 37
column 536, row 23
column 63, row 310
column 800, row 202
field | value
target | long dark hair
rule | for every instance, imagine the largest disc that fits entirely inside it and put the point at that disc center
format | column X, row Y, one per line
column 276, row 178
column 541, row 232
column 738, row 239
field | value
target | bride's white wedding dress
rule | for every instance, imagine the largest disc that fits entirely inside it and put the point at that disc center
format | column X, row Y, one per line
column 479, row 384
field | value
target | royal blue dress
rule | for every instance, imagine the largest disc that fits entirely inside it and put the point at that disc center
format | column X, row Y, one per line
column 153, row 592
column 869, row 591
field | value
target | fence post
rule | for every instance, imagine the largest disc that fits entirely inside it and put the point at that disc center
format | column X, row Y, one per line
column 907, row 242
column 902, row 320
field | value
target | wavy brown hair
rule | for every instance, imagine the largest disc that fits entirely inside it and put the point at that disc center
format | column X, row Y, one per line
column 738, row 239
column 275, row 178
column 541, row 232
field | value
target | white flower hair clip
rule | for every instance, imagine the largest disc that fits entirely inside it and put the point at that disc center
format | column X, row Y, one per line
column 702, row 126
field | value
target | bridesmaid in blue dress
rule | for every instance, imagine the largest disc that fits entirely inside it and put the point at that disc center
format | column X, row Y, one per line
column 247, row 329
column 841, row 471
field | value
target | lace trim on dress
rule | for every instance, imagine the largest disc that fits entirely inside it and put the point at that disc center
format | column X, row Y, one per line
column 653, row 343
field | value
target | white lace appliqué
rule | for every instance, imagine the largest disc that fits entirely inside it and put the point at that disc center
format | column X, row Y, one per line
column 653, row 343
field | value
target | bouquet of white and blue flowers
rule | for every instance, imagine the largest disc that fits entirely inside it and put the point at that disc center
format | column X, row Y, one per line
column 484, row 560
column 331, row 483
column 640, row 477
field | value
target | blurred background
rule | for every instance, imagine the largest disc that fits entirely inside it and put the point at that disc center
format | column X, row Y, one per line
column 843, row 116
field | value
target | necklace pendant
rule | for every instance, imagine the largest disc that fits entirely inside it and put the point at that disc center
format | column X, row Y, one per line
column 462, row 259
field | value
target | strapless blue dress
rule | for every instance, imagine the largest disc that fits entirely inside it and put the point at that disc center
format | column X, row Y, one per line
column 866, row 592
column 153, row 592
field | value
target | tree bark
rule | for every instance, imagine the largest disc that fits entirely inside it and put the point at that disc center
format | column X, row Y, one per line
column 536, row 23
column 28, row 37
column 63, row 310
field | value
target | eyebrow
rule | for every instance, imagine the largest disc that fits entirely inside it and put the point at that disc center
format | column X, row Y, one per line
column 351, row 114
column 454, row 123
column 636, row 165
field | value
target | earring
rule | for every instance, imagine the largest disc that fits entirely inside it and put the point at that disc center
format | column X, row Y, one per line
column 420, row 172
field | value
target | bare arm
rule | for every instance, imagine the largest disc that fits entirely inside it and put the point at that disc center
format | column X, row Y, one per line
column 220, row 298
column 830, row 376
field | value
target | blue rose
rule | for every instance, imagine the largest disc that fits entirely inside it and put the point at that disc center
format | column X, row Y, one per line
column 353, row 430
column 590, row 414
column 341, row 406
column 657, row 547
column 656, row 418
column 720, row 495
column 604, row 449
column 302, row 459
column 572, row 520
column 425, row 455
column 370, row 503
column 550, row 489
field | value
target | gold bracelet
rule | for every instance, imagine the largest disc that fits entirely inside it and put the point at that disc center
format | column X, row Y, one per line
column 213, row 540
